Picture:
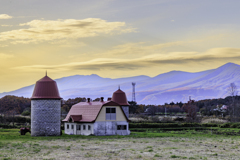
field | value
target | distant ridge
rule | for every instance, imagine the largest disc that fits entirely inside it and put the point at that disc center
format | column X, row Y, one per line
column 173, row 86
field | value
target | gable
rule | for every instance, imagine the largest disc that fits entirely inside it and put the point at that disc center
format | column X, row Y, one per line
column 120, row 115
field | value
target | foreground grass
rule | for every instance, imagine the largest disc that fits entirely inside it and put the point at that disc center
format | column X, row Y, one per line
column 139, row 145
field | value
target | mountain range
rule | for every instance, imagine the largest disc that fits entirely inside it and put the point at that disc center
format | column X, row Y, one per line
column 173, row 86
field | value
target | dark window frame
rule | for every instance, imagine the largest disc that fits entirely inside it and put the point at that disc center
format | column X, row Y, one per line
column 121, row 127
column 78, row 127
column 111, row 113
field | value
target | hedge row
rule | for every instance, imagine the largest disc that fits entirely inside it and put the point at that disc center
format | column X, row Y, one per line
column 230, row 125
column 7, row 126
column 15, row 119
column 170, row 125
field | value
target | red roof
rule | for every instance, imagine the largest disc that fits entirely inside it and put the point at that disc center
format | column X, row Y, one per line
column 76, row 118
column 120, row 97
column 46, row 88
column 88, row 110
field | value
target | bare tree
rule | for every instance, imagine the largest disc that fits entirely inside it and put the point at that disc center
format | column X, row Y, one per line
column 153, row 110
column 191, row 111
column 232, row 91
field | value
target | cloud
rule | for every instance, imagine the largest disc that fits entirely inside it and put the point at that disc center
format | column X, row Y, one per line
column 5, row 56
column 140, row 48
column 173, row 58
column 3, row 45
column 66, row 43
column 48, row 30
column 5, row 16
column 5, row 25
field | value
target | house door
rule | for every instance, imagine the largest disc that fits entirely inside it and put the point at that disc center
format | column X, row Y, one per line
column 78, row 129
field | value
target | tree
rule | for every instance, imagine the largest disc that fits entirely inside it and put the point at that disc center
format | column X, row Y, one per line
column 152, row 110
column 132, row 107
column 96, row 99
column 234, row 110
column 180, row 104
column 191, row 109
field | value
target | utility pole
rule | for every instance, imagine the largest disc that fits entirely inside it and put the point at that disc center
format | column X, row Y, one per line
column 133, row 92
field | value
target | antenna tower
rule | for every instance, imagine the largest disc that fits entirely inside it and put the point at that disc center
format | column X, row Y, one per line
column 133, row 92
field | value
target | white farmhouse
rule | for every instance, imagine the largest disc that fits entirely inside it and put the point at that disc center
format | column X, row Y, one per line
column 99, row 118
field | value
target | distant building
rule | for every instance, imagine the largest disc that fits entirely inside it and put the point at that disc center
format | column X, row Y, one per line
column 99, row 118
column 45, row 108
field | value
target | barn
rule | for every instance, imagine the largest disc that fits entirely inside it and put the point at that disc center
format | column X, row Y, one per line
column 99, row 118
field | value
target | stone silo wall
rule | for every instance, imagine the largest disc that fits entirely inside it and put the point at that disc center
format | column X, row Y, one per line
column 45, row 117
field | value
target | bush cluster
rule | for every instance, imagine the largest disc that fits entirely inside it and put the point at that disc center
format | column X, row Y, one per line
column 230, row 125
column 7, row 126
column 15, row 119
column 163, row 125
column 176, row 125
column 25, row 113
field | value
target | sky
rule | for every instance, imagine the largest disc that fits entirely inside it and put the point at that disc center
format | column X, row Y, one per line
column 114, row 38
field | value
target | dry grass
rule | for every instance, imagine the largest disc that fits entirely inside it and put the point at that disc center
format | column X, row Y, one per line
column 125, row 148
column 214, row 120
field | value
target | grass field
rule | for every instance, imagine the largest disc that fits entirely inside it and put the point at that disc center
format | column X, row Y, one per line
column 186, row 144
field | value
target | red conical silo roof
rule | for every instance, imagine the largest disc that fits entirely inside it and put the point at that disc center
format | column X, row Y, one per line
column 46, row 88
column 120, row 97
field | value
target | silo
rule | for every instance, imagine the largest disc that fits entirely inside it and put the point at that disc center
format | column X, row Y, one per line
column 45, row 108
column 120, row 97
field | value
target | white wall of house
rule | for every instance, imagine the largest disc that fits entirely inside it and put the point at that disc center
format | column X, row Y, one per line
column 111, row 128
column 111, row 122
column 78, row 128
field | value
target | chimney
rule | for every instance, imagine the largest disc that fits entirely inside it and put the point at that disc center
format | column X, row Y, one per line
column 109, row 99
column 88, row 100
column 102, row 99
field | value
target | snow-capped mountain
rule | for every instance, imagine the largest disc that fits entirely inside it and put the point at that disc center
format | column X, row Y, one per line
column 173, row 86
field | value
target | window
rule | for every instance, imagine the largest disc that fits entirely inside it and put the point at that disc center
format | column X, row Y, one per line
column 110, row 113
column 89, row 127
column 72, row 126
column 121, row 127
column 78, row 127
column 84, row 127
column 67, row 126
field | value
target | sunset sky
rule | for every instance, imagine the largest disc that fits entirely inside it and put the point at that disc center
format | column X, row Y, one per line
column 114, row 38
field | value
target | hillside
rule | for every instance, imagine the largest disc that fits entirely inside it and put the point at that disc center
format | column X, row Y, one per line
column 172, row 86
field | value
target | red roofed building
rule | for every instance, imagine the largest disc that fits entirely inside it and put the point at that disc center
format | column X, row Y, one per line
column 45, row 108
column 98, row 118
column 120, row 97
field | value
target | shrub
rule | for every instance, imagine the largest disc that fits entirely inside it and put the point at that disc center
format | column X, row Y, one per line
column 225, row 125
column 25, row 113
column 155, row 119
column 7, row 126
column 191, row 125
column 167, row 120
column 235, row 125
column 210, row 125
